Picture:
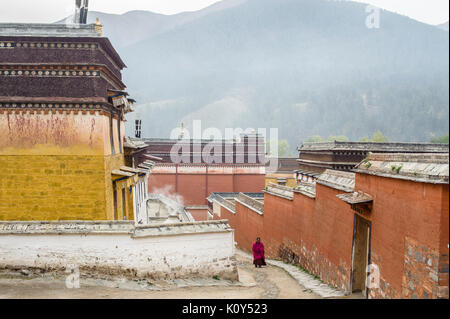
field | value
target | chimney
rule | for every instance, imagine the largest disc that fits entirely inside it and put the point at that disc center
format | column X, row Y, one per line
column 81, row 11
column 182, row 131
column 137, row 132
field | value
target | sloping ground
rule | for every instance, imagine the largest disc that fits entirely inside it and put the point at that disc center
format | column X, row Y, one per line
column 309, row 282
column 268, row 283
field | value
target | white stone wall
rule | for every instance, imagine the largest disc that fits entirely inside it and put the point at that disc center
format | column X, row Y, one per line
column 171, row 251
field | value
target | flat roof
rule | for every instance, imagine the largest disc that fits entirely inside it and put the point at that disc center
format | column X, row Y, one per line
column 48, row 30
column 376, row 147
column 421, row 167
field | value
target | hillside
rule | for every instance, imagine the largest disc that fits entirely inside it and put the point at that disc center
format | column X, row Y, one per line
column 305, row 66
column 443, row 26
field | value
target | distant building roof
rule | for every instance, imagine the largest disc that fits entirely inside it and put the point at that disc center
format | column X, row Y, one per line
column 14, row 34
column 285, row 165
column 344, row 181
column 307, row 173
column 376, row 147
column 48, row 30
column 427, row 168
column 134, row 144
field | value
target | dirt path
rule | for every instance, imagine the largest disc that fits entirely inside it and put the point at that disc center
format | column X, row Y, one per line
column 267, row 283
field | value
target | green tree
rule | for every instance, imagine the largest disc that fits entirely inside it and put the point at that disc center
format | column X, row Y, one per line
column 365, row 139
column 440, row 140
column 283, row 148
column 379, row 137
column 315, row 139
column 339, row 138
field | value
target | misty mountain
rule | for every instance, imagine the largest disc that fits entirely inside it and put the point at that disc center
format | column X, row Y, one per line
column 306, row 67
column 443, row 26
column 134, row 26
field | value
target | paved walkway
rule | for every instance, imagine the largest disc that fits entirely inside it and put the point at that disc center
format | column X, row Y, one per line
column 306, row 280
column 269, row 282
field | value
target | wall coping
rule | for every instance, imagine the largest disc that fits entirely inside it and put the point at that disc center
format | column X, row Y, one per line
column 344, row 181
column 376, row 147
column 223, row 202
column 309, row 191
column 110, row 227
column 280, row 191
column 425, row 168
column 250, row 203
column 48, row 30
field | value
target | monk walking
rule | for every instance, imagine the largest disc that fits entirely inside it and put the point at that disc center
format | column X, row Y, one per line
column 258, row 253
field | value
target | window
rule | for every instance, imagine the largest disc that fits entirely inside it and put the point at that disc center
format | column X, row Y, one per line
column 138, row 128
column 120, row 135
column 124, row 204
column 116, row 217
column 111, row 134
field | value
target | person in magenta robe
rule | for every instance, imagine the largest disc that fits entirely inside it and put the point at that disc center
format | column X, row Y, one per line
column 258, row 253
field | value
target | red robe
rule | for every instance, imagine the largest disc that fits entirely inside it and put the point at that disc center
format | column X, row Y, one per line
column 258, row 251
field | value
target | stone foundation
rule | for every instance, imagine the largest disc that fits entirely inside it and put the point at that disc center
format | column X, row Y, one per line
column 316, row 264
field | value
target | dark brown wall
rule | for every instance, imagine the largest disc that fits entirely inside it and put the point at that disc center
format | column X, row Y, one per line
column 77, row 87
column 60, row 55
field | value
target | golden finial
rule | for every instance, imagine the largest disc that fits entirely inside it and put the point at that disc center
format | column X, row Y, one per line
column 98, row 27
column 182, row 130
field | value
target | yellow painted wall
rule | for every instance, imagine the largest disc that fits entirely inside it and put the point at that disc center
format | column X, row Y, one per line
column 52, row 188
column 57, row 167
column 290, row 181
column 124, row 185
column 111, row 163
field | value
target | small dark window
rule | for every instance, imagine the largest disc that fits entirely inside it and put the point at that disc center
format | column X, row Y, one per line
column 138, row 128
column 116, row 215
column 120, row 136
column 124, row 204
column 111, row 134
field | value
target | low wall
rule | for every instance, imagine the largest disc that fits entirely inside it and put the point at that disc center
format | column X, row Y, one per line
column 313, row 228
column 164, row 251
column 199, row 213
column 296, row 229
column 180, row 181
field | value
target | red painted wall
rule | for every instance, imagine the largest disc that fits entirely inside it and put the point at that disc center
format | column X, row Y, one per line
column 248, row 225
column 409, row 238
column 159, row 182
column 249, row 183
column 409, row 234
column 192, row 188
column 195, row 188
column 221, row 183
column 316, row 233
column 199, row 214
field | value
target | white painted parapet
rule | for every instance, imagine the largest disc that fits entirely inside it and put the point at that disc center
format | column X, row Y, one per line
column 159, row 251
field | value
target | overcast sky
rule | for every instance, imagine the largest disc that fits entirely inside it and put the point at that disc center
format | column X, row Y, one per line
column 45, row 11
